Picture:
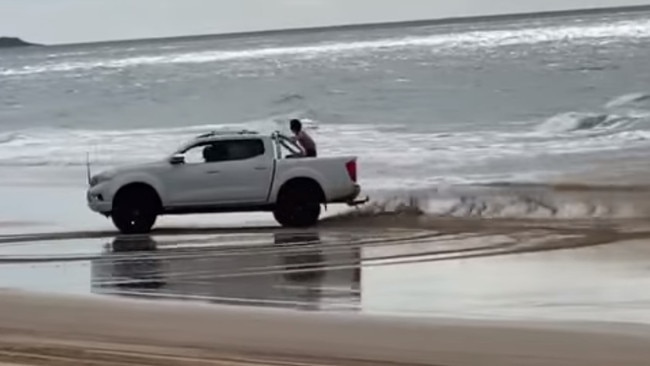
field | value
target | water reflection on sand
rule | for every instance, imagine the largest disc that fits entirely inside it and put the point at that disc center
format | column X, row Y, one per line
column 464, row 268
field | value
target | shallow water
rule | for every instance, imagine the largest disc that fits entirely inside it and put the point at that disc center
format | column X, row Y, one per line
column 515, row 272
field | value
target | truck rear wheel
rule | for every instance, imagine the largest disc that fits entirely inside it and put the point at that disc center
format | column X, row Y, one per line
column 298, row 206
column 135, row 210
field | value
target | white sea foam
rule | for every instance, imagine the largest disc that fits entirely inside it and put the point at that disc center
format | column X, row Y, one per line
column 630, row 100
column 389, row 157
column 589, row 122
column 624, row 29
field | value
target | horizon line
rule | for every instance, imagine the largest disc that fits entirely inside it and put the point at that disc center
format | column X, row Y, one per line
column 361, row 26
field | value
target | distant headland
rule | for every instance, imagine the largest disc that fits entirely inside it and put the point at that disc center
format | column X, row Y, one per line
column 8, row 42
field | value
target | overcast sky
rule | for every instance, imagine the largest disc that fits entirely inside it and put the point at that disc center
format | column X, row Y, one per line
column 71, row 21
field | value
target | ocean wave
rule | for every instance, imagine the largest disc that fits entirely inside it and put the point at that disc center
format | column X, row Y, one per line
column 9, row 137
column 632, row 109
column 410, row 159
column 390, row 156
column 578, row 121
column 289, row 98
column 472, row 40
column 636, row 100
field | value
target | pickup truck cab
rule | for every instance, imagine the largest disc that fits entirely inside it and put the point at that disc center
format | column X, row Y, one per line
column 225, row 172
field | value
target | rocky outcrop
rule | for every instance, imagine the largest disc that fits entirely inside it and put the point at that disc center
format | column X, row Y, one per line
column 7, row 42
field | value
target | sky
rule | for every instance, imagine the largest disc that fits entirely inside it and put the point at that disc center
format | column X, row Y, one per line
column 75, row 21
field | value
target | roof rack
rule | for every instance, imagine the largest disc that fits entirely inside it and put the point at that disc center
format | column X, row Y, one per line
column 226, row 133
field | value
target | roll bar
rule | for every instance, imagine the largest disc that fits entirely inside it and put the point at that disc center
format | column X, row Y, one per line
column 286, row 142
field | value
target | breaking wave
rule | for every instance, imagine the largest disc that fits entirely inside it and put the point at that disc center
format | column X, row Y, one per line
column 410, row 160
column 576, row 122
column 636, row 100
column 620, row 114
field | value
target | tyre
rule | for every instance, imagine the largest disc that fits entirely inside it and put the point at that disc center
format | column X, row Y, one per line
column 135, row 210
column 298, row 206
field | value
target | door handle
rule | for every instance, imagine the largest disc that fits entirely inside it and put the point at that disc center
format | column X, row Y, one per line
column 260, row 168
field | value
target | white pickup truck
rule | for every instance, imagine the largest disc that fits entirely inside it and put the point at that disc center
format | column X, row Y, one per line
column 219, row 172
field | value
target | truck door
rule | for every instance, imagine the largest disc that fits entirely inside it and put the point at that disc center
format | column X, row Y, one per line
column 246, row 171
column 221, row 173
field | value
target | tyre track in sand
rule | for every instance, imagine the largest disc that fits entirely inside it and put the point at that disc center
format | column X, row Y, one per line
column 196, row 262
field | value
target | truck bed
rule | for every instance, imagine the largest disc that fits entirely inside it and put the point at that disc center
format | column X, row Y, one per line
column 330, row 172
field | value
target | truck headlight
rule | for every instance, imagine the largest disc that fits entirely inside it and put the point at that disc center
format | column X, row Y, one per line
column 100, row 178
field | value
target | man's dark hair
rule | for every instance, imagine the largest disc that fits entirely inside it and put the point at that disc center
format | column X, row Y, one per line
column 296, row 126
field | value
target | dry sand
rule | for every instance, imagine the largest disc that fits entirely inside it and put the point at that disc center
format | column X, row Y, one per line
column 40, row 329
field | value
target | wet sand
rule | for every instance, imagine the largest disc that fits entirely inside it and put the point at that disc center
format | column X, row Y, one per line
column 465, row 268
column 365, row 288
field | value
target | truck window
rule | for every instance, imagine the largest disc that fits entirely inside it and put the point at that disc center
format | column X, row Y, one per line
column 231, row 150
column 224, row 150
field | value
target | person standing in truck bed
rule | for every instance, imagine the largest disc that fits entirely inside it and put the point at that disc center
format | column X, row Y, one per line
column 303, row 139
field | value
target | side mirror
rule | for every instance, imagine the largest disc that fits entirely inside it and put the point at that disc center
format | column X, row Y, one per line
column 177, row 159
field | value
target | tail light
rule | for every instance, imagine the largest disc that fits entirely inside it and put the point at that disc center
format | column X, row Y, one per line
column 351, row 166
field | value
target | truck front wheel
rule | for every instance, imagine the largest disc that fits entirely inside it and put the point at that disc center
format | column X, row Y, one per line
column 297, row 206
column 135, row 210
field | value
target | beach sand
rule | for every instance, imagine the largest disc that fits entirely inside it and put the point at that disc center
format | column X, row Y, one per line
column 52, row 330
column 398, row 289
